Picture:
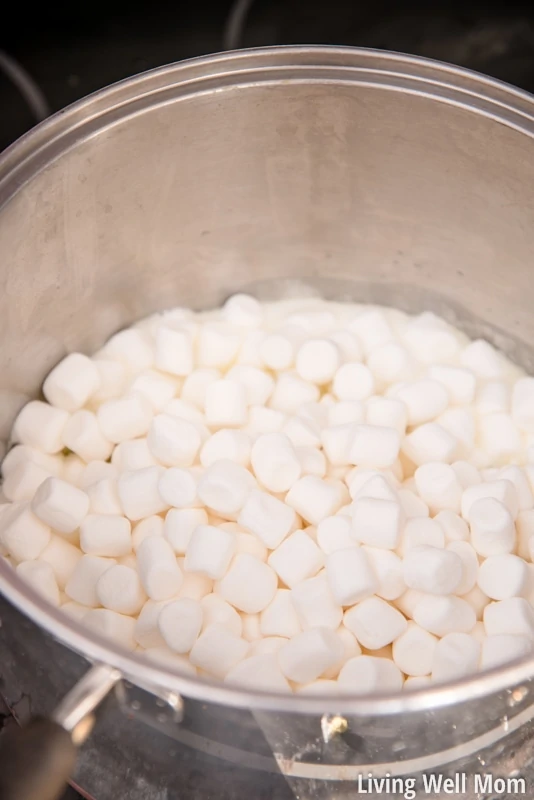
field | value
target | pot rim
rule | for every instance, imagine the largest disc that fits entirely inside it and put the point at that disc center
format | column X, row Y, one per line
column 112, row 105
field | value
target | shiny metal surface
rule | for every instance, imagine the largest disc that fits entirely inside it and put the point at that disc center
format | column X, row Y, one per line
column 367, row 175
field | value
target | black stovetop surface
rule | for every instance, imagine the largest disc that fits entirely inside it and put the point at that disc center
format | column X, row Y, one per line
column 73, row 50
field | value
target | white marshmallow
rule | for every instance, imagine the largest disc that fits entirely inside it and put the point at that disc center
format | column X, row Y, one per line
column 413, row 651
column 493, row 397
column 146, row 631
column 195, row 385
column 97, row 471
column 174, row 350
column 224, row 487
column 111, row 625
column 62, row 557
column 72, row 382
column 315, row 499
column 131, row 455
column 251, row 627
column 40, row 426
column 229, row 444
column 514, row 615
column 126, row 417
column 337, row 442
column 268, row 518
column 22, row 534
column 21, row 454
column 242, row 310
column 461, row 424
column 296, row 558
column 132, row 347
column 455, row 528
column 315, row 605
column 257, row 383
column 81, row 585
column 459, row 382
column 106, row 535
column 112, row 377
column 343, row 413
column 216, row 611
column 432, row 570
column 350, row 576
column 467, row 554
column 441, row 615
column 379, row 487
column 217, row 345
column 492, row 527
column 73, row 468
column 178, row 487
column 139, row 493
column 391, row 362
column 279, row 618
column 165, row 656
column 430, row 442
column 372, row 328
column 374, row 446
column 503, row 648
column 439, row 487
column 259, row 672
column 499, row 437
column 119, row 589
column 217, row 650
column 180, row 623
column 264, row 420
column 41, row 578
column 248, row 543
column 456, row 655
column 408, row 601
column 424, row 399
column 209, row 551
column 467, row 474
column 351, row 648
column 317, row 360
column 431, row 339
column 226, row 404
column 375, row 623
column 158, row 389
column 353, row 381
column 182, row 409
column 412, row 505
column 104, row 497
column 269, row 645
column 194, row 586
column 523, row 404
column 74, row 610
column 421, row 531
column 174, row 442
column 158, row 570
column 277, row 351
column 503, row 576
column 179, row 526
column 387, row 412
column 502, row 490
column 348, row 344
column 302, row 432
column 60, row 505
column 249, row 584
column 387, row 568
column 525, row 531
column 370, row 675
column 334, row 533
column 291, row 392
column 308, row 654
column 150, row 526
column 82, row 435
column 477, row 600
column 519, row 478
column 482, row 358
column 24, row 480
column 377, row 522
column 312, row 461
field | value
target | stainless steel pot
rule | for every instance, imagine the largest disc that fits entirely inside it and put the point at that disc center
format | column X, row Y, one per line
column 367, row 175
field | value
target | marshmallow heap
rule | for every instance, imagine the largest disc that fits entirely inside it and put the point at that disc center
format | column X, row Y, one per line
column 300, row 496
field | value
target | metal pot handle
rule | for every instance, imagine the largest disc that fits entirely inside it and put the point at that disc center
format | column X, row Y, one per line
column 36, row 761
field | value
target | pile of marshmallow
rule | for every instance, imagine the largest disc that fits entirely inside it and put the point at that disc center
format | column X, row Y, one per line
column 296, row 496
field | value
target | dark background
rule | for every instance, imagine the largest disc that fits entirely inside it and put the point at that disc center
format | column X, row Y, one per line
column 71, row 50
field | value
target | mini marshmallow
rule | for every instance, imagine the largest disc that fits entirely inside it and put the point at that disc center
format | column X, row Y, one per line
column 525, row 531
column 412, row 505
column 257, row 383
column 502, row 490
column 441, row 615
column 229, row 444
column 177, row 407
column 514, row 616
column 439, row 487
column 499, row 437
column 146, row 631
column 126, row 417
column 73, row 468
column 374, row 446
column 40, row 426
column 503, row 576
column 377, row 486
column 218, row 650
column 375, row 623
column 268, row 518
column 178, row 487
column 453, row 526
column 468, row 556
column 523, row 404
column 482, row 358
column 132, row 347
column 493, row 397
column 249, row 584
column 432, row 570
column 302, row 432
column 369, row 675
column 348, row 344
column 194, row 586
column 337, row 442
column 277, row 351
column 334, row 533
column 97, row 471
column 226, row 404
column 106, row 535
column 217, row 345
column 72, row 382
column 209, row 551
column 391, row 362
column 251, row 627
column 150, row 526
column 60, row 505
column 158, row 389
column 41, row 578
column 264, row 420
column 62, row 557
column 315, row 605
column 477, row 600
column 174, row 350
column 269, row 645
column 414, row 649
column 317, row 360
column 291, row 392
column 23, row 481
column 467, row 474
column 350, row 576
column 248, row 543
column 74, row 610
column 421, row 531
column 430, row 442
column 308, row 654
column 387, row 569
column 504, row 648
column 519, row 478
column 242, row 310
column 174, row 442
column 312, row 461
column 460, row 423
column 81, row 585
column 377, row 522
column 279, row 618
column 139, row 492
column 131, row 455
column 118, row 627
column 224, row 487
column 351, row 648
column 23, row 535
column 343, row 413
column 195, row 385
column 259, row 672
column 459, row 382
column 82, row 435
column 424, row 399
column 492, row 527
column 387, row 412
column 216, row 611
column 456, row 655
column 119, row 589
column 21, row 454
column 112, row 378
column 104, row 497
column 407, row 602
column 353, row 381
column 431, row 339
column 158, row 570
column 180, row 623
column 296, row 558
column 372, row 328
column 315, row 499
